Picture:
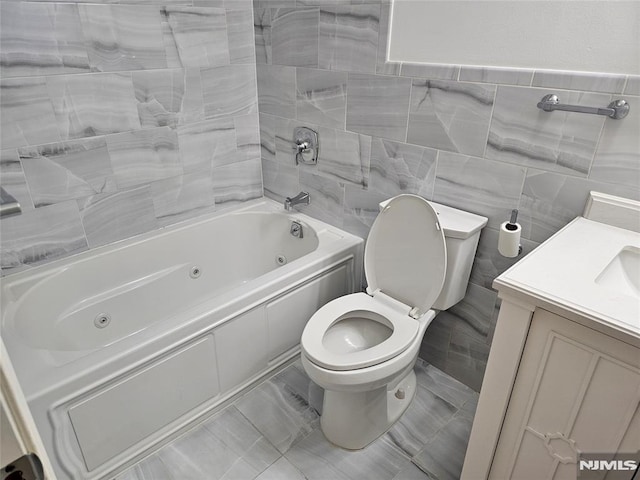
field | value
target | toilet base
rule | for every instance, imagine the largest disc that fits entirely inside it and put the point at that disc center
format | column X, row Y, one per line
column 353, row 420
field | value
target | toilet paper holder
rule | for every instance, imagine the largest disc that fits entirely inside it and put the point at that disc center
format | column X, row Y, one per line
column 509, row 237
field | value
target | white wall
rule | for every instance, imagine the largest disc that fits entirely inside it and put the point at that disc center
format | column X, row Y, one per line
column 590, row 36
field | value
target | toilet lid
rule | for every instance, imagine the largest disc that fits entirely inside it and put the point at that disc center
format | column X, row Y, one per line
column 405, row 256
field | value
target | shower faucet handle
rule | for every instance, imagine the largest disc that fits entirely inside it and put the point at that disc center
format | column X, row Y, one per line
column 301, row 146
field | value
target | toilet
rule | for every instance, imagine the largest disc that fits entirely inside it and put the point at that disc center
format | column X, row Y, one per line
column 361, row 348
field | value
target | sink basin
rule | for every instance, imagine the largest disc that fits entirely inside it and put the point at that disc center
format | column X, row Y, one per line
column 623, row 272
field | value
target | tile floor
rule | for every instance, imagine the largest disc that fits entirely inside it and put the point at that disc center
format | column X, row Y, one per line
column 273, row 433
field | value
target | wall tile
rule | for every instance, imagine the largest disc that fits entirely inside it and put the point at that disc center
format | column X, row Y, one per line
column 65, row 171
column 109, row 217
column 294, row 36
column 467, row 359
column 144, row 156
column 41, row 39
column 435, row 344
column 349, row 38
column 237, row 182
column 183, row 197
column 479, row 186
column 321, row 97
column 247, row 138
column 382, row 66
column 229, row 90
column 238, row 4
column 240, row 35
column 280, row 180
column 432, row 72
column 557, row 141
column 12, row 178
column 450, row 116
column 361, row 209
column 262, row 34
column 200, row 35
column 123, row 37
column 41, row 235
column 205, row 144
column 593, row 82
column 274, row 3
column 617, row 158
column 400, row 168
column 267, row 137
column 325, row 3
column 168, row 97
column 378, row 105
column 474, row 313
column 95, row 104
column 169, row 42
column 327, row 198
column 26, row 113
column 284, row 141
column 90, row 137
column 277, row 90
column 210, row 3
column 344, row 156
column 633, row 85
column 488, row 263
column 550, row 201
column 508, row 76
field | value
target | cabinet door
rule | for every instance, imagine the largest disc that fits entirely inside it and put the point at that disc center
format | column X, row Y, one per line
column 577, row 390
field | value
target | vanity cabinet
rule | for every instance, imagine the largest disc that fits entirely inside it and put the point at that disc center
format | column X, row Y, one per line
column 563, row 374
column 574, row 389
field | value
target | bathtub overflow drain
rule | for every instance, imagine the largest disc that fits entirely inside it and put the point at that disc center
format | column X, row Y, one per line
column 281, row 259
column 195, row 272
column 102, row 320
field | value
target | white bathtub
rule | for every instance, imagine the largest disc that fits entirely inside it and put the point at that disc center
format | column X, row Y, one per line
column 119, row 348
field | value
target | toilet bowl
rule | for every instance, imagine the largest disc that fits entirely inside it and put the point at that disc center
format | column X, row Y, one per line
column 361, row 348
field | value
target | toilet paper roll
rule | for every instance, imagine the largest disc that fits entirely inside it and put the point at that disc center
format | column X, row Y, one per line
column 509, row 239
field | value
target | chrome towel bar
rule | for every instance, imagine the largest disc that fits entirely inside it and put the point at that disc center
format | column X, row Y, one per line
column 617, row 109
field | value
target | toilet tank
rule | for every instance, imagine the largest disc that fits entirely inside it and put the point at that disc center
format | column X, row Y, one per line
column 461, row 235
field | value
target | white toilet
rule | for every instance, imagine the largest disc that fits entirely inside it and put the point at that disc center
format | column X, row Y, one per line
column 361, row 348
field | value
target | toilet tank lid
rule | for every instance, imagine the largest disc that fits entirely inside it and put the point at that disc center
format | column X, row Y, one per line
column 455, row 223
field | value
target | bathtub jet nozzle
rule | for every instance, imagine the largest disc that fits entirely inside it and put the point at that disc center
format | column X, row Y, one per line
column 102, row 320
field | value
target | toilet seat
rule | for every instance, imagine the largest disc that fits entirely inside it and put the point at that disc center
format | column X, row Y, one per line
column 405, row 265
column 404, row 330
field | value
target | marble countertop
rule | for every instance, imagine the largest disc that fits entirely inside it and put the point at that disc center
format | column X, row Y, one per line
column 566, row 274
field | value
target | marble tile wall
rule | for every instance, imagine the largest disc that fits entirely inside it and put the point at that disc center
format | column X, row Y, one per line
column 470, row 137
column 118, row 118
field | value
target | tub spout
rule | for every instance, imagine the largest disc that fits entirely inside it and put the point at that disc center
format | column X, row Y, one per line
column 302, row 198
column 8, row 204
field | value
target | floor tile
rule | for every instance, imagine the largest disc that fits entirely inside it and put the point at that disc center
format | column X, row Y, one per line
column 412, row 472
column 281, row 470
column 444, row 386
column 247, row 439
column 279, row 412
column 318, row 459
column 442, row 457
column 426, row 415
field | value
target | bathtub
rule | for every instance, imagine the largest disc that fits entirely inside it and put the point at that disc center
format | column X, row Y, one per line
column 121, row 348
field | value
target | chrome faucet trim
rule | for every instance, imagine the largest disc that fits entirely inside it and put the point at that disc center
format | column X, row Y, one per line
column 302, row 198
column 8, row 204
column 296, row 229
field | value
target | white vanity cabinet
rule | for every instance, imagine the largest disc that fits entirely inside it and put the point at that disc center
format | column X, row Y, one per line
column 562, row 378
column 566, row 389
